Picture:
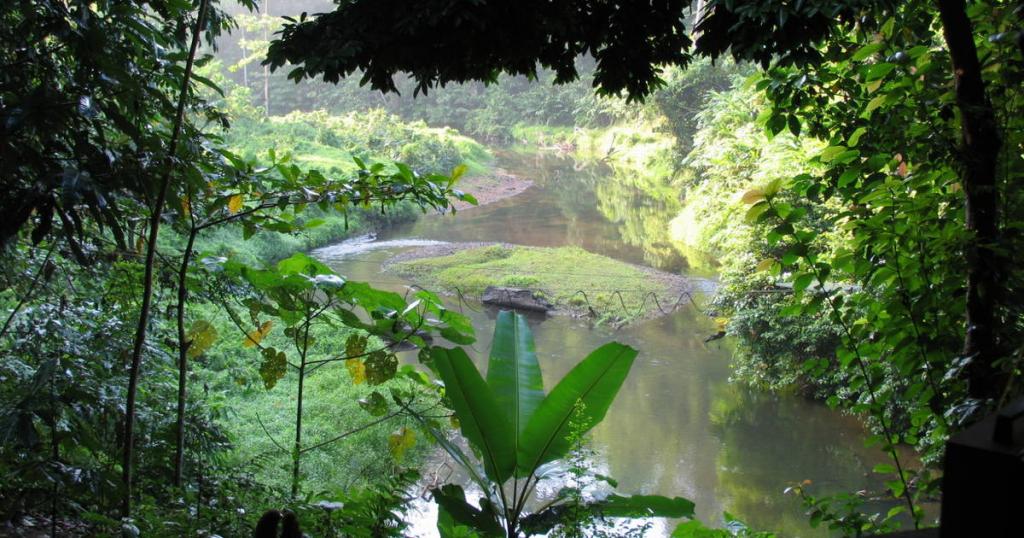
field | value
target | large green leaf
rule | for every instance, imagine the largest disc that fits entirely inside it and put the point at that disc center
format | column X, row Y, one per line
column 644, row 506
column 513, row 372
column 454, row 511
column 594, row 382
column 453, row 450
column 481, row 420
column 613, row 506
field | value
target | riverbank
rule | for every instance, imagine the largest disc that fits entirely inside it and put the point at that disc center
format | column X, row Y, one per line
column 492, row 187
column 575, row 282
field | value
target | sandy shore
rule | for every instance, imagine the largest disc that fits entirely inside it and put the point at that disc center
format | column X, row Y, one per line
column 492, row 187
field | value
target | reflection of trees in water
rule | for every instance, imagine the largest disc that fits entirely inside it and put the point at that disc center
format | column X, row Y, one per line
column 771, row 442
column 639, row 205
column 678, row 427
column 642, row 206
column 643, row 221
column 624, row 213
column 656, row 438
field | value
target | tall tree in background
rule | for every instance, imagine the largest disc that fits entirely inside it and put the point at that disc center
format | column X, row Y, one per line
column 266, row 68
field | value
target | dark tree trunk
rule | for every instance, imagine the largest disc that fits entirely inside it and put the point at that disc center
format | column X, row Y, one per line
column 980, row 152
column 297, row 451
column 266, row 68
column 147, row 282
column 183, row 345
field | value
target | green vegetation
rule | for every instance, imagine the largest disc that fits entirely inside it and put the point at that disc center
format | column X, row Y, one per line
column 332, row 145
column 328, row 142
column 515, row 428
column 568, row 277
column 256, row 419
column 895, row 225
column 860, row 193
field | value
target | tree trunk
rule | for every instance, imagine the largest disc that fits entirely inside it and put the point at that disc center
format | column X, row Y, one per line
column 245, row 64
column 183, row 345
column 266, row 68
column 980, row 152
column 297, row 450
column 147, row 281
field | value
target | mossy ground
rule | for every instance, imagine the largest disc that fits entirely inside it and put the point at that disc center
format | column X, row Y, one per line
column 574, row 280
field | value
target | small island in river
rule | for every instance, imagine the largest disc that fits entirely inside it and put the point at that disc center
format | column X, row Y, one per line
column 569, row 280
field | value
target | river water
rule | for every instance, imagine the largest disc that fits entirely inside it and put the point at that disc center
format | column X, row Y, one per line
column 678, row 426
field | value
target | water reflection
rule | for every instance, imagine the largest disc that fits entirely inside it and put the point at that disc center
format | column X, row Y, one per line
column 678, row 426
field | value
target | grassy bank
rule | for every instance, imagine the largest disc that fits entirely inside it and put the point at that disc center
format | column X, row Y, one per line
column 260, row 422
column 330, row 409
column 574, row 280
column 328, row 143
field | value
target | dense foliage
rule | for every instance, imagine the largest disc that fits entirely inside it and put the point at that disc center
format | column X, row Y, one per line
column 516, row 429
column 88, row 444
column 894, row 230
column 855, row 186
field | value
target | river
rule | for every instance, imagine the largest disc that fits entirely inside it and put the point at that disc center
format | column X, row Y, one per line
column 678, row 426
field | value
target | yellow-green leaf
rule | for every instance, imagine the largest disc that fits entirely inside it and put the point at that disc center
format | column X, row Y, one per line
column 201, row 335
column 357, row 370
column 773, row 187
column 401, row 441
column 257, row 335
column 855, row 137
column 831, row 152
column 875, row 103
column 752, row 196
column 458, row 172
column 765, row 265
column 867, row 50
column 755, row 211
column 235, row 203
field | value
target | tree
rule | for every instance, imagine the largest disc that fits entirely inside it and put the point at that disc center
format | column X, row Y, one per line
column 300, row 293
column 443, row 41
column 922, row 191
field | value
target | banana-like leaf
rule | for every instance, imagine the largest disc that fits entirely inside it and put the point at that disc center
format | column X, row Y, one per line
column 513, row 372
column 613, row 506
column 644, row 506
column 454, row 510
column 593, row 383
column 453, row 450
column 481, row 420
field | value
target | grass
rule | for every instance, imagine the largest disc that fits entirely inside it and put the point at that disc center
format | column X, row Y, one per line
column 229, row 375
column 569, row 277
column 329, row 142
column 330, row 408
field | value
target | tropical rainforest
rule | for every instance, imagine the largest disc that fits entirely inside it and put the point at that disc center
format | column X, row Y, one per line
column 477, row 268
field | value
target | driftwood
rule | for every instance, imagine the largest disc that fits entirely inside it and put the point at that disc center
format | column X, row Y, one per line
column 518, row 298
